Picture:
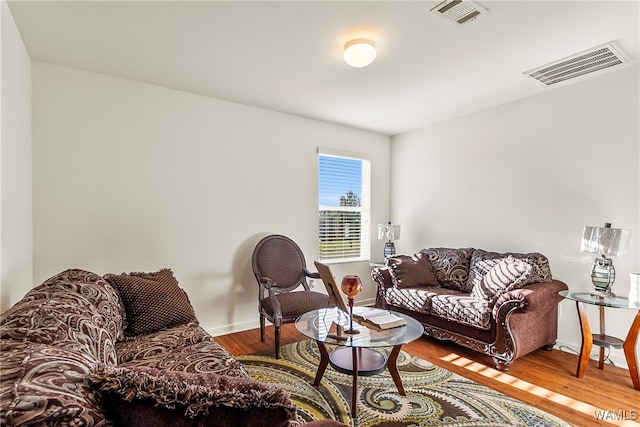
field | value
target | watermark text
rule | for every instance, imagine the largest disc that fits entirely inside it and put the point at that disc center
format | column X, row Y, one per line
column 616, row 415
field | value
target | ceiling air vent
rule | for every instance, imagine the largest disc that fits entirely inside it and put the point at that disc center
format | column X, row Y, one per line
column 458, row 11
column 596, row 59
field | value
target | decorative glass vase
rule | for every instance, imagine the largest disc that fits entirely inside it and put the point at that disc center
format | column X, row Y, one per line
column 351, row 286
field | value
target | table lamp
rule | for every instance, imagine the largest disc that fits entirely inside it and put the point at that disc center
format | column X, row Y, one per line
column 605, row 241
column 391, row 233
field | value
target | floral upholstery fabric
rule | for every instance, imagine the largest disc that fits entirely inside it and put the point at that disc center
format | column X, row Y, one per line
column 71, row 325
column 462, row 309
column 185, row 348
column 451, row 266
column 43, row 385
column 71, row 288
column 50, row 340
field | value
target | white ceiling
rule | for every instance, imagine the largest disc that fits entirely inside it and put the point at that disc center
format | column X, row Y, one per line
column 287, row 56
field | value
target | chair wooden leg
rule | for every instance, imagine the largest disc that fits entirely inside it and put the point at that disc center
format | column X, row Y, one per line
column 261, row 327
column 277, row 342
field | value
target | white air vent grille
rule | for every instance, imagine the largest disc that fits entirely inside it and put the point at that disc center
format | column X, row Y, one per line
column 589, row 61
column 458, row 11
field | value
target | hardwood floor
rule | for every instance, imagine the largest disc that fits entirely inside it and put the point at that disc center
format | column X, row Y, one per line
column 544, row 379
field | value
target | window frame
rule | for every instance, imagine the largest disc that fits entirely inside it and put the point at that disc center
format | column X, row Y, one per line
column 364, row 208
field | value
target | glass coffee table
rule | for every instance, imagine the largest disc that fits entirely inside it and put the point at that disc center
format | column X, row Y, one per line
column 356, row 354
column 602, row 339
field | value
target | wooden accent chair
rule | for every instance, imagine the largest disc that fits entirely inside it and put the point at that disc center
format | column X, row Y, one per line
column 279, row 267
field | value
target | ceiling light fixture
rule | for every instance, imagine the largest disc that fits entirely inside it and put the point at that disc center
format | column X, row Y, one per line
column 359, row 52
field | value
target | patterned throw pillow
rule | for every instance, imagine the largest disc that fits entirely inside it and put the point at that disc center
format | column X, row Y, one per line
column 152, row 301
column 411, row 271
column 450, row 266
column 507, row 274
column 482, row 259
column 143, row 397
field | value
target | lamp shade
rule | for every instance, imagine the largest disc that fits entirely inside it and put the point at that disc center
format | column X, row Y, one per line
column 605, row 240
column 359, row 52
column 388, row 231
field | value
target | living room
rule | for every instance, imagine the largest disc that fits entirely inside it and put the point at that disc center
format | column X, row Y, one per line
column 114, row 175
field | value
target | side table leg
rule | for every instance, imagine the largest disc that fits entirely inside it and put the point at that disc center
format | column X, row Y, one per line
column 324, row 361
column 354, row 394
column 393, row 369
column 587, row 340
column 630, row 351
column 602, row 333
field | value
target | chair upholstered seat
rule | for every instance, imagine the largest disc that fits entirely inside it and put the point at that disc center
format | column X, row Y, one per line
column 295, row 304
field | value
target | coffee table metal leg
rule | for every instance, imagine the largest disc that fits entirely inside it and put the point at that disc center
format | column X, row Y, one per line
column 393, row 369
column 324, row 361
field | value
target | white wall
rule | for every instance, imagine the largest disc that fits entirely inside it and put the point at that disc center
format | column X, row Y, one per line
column 16, row 233
column 134, row 177
column 528, row 176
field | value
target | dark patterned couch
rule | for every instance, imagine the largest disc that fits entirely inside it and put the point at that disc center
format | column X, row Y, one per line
column 504, row 305
column 123, row 350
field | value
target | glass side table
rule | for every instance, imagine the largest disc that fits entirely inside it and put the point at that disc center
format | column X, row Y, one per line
column 602, row 339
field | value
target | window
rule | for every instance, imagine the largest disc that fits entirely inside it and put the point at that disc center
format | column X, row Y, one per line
column 344, row 203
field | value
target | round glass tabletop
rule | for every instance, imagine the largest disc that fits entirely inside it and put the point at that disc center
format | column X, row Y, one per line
column 327, row 325
column 605, row 301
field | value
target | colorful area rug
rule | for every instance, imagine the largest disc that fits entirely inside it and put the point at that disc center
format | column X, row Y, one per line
column 434, row 396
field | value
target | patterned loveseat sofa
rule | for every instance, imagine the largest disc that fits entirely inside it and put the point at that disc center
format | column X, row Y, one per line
column 123, row 350
column 501, row 304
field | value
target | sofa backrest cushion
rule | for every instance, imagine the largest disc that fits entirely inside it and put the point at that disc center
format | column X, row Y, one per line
column 75, row 309
column 411, row 271
column 541, row 271
column 505, row 275
column 152, row 301
column 451, row 266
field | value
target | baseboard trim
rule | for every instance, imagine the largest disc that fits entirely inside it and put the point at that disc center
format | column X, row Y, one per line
column 231, row 328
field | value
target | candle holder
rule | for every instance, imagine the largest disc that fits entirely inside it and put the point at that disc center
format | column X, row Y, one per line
column 351, row 286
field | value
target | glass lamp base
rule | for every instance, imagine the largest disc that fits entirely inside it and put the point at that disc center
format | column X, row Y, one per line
column 389, row 249
column 603, row 274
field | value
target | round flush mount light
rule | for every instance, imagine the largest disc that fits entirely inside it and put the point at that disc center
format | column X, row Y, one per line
column 359, row 52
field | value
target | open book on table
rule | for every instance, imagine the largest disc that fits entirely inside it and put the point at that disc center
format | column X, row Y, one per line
column 379, row 318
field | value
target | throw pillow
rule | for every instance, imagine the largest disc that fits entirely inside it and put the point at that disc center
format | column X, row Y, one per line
column 507, row 274
column 411, row 271
column 450, row 266
column 145, row 396
column 541, row 270
column 152, row 301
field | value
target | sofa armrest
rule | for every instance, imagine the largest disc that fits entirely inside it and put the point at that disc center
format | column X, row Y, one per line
column 541, row 297
column 382, row 277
